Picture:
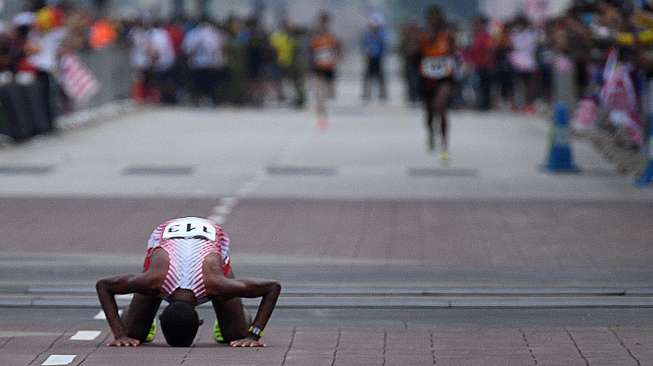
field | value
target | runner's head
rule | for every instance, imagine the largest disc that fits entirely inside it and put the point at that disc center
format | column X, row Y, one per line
column 480, row 24
column 179, row 323
column 324, row 18
column 435, row 17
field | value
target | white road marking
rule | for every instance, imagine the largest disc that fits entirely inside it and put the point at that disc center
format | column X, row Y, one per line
column 229, row 201
column 219, row 219
column 247, row 189
column 85, row 335
column 102, row 316
column 55, row 360
column 222, row 210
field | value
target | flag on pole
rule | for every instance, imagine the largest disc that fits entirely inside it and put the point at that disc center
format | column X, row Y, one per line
column 77, row 81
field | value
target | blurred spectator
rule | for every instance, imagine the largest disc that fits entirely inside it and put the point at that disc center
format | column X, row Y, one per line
column 177, row 30
column 204, row 47
column 5, row 47
column 102, row 34
column 283, row 45
column 162, row 53
column 286, row 44
column 524, row 40
column 481, row 56
column 504, row 70
column 43, row 44
column 19, row 47
column 258, row 51
column 237, row 61
column 409, row 51
column 374, row 48
column 141, row 62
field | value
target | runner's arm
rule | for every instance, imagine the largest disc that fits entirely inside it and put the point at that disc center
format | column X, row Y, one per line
column 223, row 288
column 107, row 288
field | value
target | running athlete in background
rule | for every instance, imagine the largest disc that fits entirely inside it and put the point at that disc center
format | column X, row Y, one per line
column 187, row 264
column 437, row 66
column 325, row 53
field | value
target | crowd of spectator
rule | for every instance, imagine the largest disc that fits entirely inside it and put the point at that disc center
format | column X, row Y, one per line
column 32, row 46
column 604, row 48
column 235, row 61
column 599, row 53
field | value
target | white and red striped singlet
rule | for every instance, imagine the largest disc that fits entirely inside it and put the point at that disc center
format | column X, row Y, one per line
column 188, row 241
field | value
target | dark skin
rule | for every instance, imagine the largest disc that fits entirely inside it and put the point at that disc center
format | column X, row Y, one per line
column 440, row 102
column 223, row 291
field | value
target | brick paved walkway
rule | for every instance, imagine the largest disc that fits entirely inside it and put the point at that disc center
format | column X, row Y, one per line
column 360, row 347
column 457, row 234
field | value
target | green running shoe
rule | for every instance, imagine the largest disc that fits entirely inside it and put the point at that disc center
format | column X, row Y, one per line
column 152, row 333
column 217, row 332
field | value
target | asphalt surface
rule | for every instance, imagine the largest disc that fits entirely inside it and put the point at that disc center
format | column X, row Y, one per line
column 387, row 257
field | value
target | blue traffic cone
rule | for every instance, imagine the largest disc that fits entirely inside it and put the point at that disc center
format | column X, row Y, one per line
column 560, row 158
column 646, row 178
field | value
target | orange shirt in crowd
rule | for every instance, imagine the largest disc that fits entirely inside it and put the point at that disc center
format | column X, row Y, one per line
column 102, row 34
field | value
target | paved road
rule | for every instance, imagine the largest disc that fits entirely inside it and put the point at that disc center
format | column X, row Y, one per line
column 360, row 206
column 371, row 154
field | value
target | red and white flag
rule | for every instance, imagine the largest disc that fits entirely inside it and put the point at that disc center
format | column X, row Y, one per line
column 77, row 81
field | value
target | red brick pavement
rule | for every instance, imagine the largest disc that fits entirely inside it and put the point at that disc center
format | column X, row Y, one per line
column 81, row 225
column 360, row 347
column 450, row 234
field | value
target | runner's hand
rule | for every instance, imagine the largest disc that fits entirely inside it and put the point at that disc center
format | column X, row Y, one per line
column 125, row 342
column 247, row 342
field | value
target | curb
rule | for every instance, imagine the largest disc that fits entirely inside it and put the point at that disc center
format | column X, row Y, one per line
column 404, row 291
column 287, row 301
column 92, row 115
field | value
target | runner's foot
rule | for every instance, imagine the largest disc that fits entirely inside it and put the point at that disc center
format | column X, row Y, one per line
column 217, row 333
column 444, row 158
column 152, row 333
column 322, row 124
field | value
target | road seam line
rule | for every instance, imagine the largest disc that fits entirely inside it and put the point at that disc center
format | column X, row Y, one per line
column 528, row 345
column 623, row 344
column 587, row 362
column 292, row 340
column 385, row 345
column 95, row 349
column 49, row 347
column 432, row 340
column 335, row 350
column 5, row 342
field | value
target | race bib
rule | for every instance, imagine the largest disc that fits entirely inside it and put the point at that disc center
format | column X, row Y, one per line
column 188, row 228
column 438, row 67
column 325, row 56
